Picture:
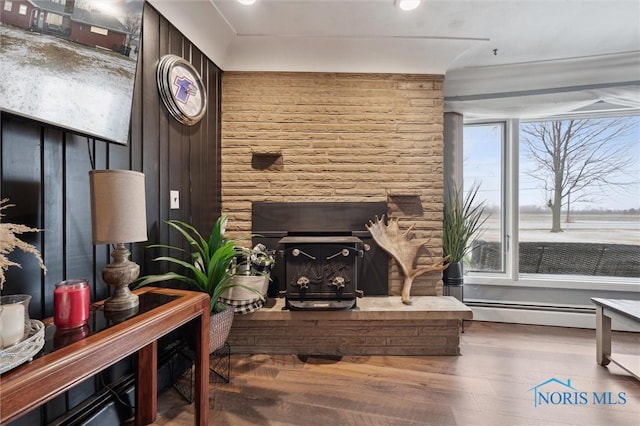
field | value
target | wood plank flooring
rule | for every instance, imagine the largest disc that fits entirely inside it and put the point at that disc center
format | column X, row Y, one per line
column 489, row 384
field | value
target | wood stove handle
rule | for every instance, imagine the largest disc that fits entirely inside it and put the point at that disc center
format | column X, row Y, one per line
column 344, row 252
column 297, row 252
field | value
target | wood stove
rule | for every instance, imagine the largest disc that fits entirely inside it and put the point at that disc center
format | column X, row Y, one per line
column 321, row 271
column 326, row 257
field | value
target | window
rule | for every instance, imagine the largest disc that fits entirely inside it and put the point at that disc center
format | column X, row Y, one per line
column 8, row 5
column 483, row 152
column 54, row 19
column 580, row 197
column 99, row 30
column 577, row 185
column 23, row 9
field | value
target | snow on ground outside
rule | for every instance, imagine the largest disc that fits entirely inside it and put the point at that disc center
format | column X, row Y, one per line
column 69, row 85
column 608, row 229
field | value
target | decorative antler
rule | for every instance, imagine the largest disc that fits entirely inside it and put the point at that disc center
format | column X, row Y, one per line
column 404, row 250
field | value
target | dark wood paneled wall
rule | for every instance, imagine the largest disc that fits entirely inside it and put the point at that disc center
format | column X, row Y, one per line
column 44, row 172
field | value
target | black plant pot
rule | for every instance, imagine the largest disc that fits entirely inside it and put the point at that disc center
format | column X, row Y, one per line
column 452, row 276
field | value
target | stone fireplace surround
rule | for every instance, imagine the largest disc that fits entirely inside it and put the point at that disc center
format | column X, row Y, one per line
column 336, row 137
column 332, row 137
column 379, row 325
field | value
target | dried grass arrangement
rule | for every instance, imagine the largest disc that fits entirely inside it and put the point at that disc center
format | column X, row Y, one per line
column 9, row 242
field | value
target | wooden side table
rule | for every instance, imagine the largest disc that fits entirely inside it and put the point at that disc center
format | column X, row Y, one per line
column 625, row 311
column 59, row 369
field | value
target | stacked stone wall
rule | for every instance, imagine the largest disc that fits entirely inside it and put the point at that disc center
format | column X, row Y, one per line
column 296, row 137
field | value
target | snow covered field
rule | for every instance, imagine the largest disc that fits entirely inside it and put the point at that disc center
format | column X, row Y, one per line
column 609, row 229
column 51, row 80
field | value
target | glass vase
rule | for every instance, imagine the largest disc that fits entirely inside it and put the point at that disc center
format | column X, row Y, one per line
column 14, row 318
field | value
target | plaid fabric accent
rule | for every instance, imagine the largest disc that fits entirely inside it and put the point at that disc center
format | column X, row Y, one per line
column 243, row 307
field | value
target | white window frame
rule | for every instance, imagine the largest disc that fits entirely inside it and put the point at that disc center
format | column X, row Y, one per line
column 22, row 10
column 8, row 5
column 505, row 185
column 511, row 277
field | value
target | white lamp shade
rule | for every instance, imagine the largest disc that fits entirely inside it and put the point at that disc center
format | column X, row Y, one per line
column 118, row 211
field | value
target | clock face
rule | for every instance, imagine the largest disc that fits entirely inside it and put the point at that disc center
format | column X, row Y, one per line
column 181, row 89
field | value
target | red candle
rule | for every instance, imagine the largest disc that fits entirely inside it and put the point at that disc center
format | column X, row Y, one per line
column 71, row 301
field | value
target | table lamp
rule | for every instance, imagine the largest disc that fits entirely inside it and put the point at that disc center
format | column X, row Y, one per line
column 118, row 216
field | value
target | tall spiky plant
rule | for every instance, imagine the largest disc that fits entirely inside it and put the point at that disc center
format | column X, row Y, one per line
column 463, row 218
column 209, row 267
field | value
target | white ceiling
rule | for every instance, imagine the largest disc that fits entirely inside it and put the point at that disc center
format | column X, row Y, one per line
column 453, row 37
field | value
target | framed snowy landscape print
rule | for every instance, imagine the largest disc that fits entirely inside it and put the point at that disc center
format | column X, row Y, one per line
column 71, row 64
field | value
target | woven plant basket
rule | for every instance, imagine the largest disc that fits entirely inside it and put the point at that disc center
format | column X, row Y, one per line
column 259, row 283
column 219, row 328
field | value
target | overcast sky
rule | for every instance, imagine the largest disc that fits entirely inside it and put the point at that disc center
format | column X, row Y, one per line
column 482, row 162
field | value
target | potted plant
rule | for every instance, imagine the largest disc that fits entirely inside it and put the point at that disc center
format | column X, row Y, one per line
column 208, row 270
column 252, row 268
column 462, row 220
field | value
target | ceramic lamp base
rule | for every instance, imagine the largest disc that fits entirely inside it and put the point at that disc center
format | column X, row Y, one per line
column 121, row 302
column 119, row 274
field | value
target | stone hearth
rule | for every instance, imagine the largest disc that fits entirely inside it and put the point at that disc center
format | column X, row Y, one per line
column 378, row 326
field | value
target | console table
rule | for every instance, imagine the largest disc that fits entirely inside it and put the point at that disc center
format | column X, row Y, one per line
column 625, row 311
column 58, row 369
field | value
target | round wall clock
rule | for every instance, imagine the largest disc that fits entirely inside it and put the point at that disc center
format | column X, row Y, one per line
column 181, row 89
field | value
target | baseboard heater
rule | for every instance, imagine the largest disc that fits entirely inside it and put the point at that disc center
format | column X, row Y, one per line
column 535, row 314
column 531, row 307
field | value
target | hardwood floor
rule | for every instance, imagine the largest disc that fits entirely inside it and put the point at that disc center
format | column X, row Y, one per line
column 491, row 383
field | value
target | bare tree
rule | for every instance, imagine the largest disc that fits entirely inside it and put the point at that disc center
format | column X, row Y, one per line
column 579, row 159
column 133, row 24
column 80, row 4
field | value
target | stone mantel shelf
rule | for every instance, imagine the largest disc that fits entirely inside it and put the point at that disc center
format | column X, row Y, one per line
column 374, row 308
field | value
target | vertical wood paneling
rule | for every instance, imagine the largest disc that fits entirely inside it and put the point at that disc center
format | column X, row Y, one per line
column 77, row 208
column 53, row 193
column 174, row 44
column 54, row 221
column 194, row 163
column 102, row 160
column 44, row 171
column 215, row 133
column 154, row 127
column 206, row 182
column 22, row 185
column 137, row 150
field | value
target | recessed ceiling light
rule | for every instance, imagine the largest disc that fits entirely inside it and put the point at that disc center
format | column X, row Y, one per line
column 247, row 2
column 407, row 4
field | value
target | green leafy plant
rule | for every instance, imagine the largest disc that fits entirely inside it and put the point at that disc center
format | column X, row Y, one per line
column 209, row 267
column 463, row 218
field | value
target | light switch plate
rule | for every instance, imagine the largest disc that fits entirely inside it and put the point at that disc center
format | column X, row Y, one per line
column 174, row 197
